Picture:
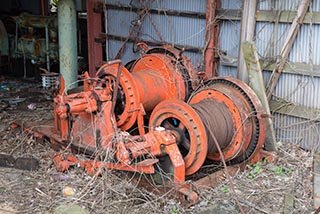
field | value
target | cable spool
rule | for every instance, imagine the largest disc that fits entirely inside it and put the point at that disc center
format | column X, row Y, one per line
column 252, row 115
column 153, row 78
column 216, row 120
column 215, row 109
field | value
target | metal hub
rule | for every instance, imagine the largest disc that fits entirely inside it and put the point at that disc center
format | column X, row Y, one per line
column 185, row 123
column 128, row 92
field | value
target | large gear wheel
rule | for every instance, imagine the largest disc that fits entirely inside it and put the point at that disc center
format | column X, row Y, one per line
column 258, row 123
column 224, row 110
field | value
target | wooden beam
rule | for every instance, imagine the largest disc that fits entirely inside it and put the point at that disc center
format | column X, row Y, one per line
column 289, row 68
column 291, row 109
column 228, row 15
column 286, row 16
column 316, row 181
column 248, row 24
column 295, row 26
column 251, row 59
column 295, row 68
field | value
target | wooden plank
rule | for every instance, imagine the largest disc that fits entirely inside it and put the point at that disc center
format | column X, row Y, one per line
column 251, row 59
column 293, row 31
column 295, row 68
column 290, row 67
column 285, row 16
column 291, row 109
column 232, row 15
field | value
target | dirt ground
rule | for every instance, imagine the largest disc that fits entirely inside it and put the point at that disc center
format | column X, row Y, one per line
column 284, row 186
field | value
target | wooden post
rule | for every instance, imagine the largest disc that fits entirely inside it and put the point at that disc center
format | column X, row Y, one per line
column 316, row 180
column 256, row 82
column 248, row 23
column 293, row 31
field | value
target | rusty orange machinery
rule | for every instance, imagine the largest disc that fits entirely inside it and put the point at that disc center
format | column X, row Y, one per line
column 188, row 122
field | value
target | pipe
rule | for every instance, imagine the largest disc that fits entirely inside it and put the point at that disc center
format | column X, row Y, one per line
column 47, row 48
column 209, row 54
column 67, row 25
column 43, row 7
column 106, row 28
column 94, row 28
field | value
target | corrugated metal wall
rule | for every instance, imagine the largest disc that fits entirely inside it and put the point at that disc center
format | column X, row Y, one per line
column 298, row 89
column 269, row 38
column 176, row 30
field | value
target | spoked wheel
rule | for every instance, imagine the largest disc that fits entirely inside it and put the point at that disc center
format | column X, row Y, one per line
column 185, row 123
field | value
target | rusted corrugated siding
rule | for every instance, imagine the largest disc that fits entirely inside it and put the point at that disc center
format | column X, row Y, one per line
column 176, row 30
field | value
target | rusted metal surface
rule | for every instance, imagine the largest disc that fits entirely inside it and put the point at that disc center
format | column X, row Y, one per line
column 188, row 21
column 212, row 180
column 28, row 20
column 263, row 154
column 257, row 115
column 190, row 132
column 155, row 88
column 157, row 74
column 225, row 107
column 44, row 7
column 94, row 28
column 211, row 38
column 229, row 146
column 27, row 41
column 4, row 40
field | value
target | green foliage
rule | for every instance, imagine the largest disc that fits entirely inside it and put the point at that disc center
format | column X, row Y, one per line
column 55, row 3
column 265, row 160
column 255, row 169
column 287, row 171
column 225, row 189
column 251, row 175
column 282, row 170
column 278, row 170
column 175, row 211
